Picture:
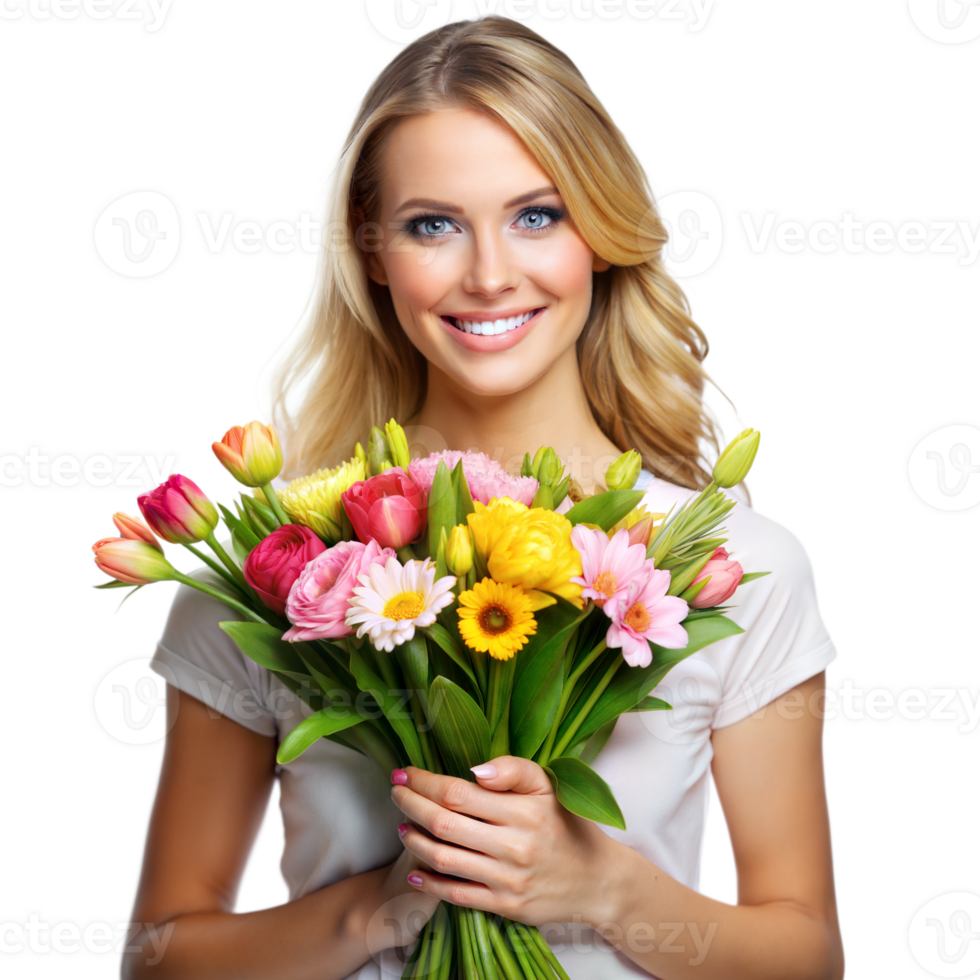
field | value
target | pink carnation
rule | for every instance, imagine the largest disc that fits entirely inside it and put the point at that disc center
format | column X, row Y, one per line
column 485, row 477
column 320, row 597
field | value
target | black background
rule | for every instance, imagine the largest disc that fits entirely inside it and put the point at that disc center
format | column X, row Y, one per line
column 846, row 360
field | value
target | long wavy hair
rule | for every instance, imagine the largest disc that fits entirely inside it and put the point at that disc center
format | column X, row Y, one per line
column 640, row 353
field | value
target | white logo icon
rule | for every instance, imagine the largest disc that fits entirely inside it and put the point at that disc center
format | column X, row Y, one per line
column 138, row 235
column 693, row 223
column 131, row 702
column 947, row 21
column 405, row 20
column 944, row 468
column 944, row 935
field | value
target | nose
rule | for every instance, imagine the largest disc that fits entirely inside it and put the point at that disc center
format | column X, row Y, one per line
column 492, row 270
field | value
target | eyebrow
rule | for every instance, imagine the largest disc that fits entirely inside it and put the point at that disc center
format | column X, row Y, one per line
column 420, row 202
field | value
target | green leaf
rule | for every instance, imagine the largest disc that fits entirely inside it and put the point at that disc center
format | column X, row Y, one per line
column 325, row 722
column 630, row 684
column 265, row 645
column 583, row 791
column 444, row 639
column 650, row 703
column 538, row 677
column 464, row 501
column 460, row 726
column 605, row 509
column 441, row 507
column 392, row 703
column 596, row 743
column 234, row 524
column 115, row 584
column 752, row 576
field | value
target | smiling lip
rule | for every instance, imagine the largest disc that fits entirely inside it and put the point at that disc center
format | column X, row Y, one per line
column 497, row 341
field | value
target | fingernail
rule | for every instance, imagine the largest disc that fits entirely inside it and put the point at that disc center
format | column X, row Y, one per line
column 486, row 771
column 415, row 880
column 402, row 829
column 399, row 777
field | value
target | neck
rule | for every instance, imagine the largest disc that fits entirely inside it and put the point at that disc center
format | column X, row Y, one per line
column 552, row 411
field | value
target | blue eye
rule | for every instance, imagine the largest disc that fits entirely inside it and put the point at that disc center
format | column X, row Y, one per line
column 429, row 226
column 433, row 226
column 537, row 219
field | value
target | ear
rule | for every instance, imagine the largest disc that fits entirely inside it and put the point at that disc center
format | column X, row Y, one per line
column 600, row 265
column 375, row 268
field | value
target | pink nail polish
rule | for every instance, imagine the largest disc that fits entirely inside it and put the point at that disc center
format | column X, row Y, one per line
column 399, row 777
column 402, row 829
column 415, row 880
column 486, row 771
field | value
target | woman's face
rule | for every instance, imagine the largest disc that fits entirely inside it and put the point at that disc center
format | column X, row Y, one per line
column 488, row 275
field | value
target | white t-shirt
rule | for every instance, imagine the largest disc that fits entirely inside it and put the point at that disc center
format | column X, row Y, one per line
column 336, row 808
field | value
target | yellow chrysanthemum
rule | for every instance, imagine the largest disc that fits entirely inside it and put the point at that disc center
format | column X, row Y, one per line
column 528, row 547
column 314, row 500
column 495, row 618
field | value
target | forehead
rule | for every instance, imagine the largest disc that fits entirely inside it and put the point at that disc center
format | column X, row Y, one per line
column 460, row 156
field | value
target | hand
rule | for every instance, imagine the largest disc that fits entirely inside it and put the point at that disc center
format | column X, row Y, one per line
column 521, row 853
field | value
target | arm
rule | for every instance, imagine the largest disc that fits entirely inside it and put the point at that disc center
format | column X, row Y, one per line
column 541, row 864
column 214, row 787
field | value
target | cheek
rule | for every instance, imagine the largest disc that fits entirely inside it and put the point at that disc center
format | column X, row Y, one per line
column 564, row 271
column 418, row 280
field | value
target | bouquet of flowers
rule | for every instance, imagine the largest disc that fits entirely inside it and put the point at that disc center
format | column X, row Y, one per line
column 438, row 612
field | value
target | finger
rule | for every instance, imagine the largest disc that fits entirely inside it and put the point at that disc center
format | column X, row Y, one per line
column 470, row 894
column 445, row 859
column 454, row 794
column 509, row 772
column 448, row 825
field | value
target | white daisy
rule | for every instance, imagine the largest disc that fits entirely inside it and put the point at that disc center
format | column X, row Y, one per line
column 392, row 600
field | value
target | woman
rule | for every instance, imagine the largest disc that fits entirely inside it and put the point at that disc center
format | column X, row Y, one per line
column 497, row 281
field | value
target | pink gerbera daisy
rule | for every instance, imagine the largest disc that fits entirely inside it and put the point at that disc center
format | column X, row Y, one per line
column 645, row 614
column 608, row 566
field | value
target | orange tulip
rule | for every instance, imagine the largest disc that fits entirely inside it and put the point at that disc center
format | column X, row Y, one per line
column 251, row 454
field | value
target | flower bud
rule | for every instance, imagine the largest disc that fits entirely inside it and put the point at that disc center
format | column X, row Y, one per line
column 459, row 550
column 178, row 511
column 134, row 529
column 253, row 454
column 378, row 453
column 397, row 444
column 723, row 577
column 133, row 561
column 362, row 456
column 549, row 468
column 736, row 460
column 622, row 473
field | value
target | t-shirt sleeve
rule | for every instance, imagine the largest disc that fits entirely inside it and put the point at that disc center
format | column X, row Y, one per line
column 785, row 641
column 203, row 660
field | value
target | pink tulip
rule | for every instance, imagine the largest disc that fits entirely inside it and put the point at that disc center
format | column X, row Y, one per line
column 178, row 511
column 132, row 561
column 320, row 598
column 251, row 454
column 388, row 508
column 724, row 576
column 135, row 529
column 275, row 563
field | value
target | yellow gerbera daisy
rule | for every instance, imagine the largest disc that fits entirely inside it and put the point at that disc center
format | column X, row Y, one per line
column 495, row 618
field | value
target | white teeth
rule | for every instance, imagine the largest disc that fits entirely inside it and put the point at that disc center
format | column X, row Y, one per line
column 489, row 328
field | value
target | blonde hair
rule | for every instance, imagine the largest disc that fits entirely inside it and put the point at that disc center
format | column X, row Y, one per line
column 640, row 352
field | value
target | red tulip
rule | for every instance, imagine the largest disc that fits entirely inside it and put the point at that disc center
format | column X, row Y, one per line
column 388, row 508
column 725, row 576
column 178, row 511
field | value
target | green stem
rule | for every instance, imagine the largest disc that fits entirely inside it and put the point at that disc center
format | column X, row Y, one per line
column 510, row 967
column 548, row 952
column 468, row 964
column 221, row 596
column 521, row 952
column 587, row 707
column 440, row 937
column 483, row 947
column 213, row 565
column 566, row 692
column 534, row 953
column 273, row 498
column 225, row 558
